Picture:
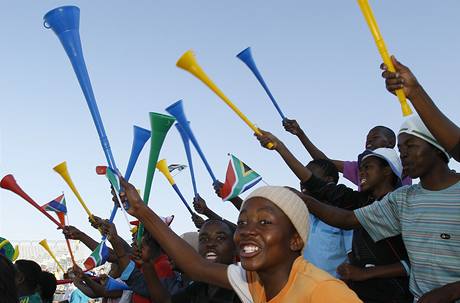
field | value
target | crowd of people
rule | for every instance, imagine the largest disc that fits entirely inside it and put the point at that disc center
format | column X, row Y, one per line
column 387, row 241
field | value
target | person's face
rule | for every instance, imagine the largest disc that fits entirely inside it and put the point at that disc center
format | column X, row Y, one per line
column 264, row 236
column 215, row 243
column 417, row 155
column 319, row 173
column 376, row 138
column 371, row 173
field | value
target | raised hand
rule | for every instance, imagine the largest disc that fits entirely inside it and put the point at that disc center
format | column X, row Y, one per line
column 114, row 196
column 109, row 229
column 78, row 272
column 197, row 220
column 218, row 187
column 403, row 78
column 96, row 221
column 267, row 137
column 199, row 204
column 130, row 198
column 292, row 126
column 72, row 233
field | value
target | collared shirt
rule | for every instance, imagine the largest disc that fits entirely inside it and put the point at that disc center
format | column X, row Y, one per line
column 429, row 222
column 327, row 246
column 78, row 296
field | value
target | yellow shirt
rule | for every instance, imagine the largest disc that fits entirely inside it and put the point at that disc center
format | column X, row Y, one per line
column 306, row 284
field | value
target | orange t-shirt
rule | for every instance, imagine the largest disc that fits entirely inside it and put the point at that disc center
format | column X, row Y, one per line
column 306, row 284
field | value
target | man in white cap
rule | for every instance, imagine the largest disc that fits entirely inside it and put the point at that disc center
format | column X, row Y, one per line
column 426, row 214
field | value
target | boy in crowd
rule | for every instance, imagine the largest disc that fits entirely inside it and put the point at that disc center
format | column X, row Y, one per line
column 378, row 136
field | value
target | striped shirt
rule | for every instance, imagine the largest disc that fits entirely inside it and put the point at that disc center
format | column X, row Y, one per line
column 429, row 222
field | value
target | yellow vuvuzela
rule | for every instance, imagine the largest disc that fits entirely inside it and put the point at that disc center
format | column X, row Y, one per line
column 61, row 169
column 372, row 23
column 188, row 62
column 44, row 243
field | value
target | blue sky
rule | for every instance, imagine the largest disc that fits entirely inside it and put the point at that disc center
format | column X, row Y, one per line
column 318, row 58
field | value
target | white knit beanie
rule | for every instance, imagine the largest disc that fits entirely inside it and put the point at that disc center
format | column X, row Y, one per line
column 291, row 205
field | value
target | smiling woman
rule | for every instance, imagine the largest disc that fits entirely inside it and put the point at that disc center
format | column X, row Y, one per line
column 271, row 232
column 271, row 235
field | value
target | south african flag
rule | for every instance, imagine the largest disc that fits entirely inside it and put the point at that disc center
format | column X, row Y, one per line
column 56, row 205
column 238, row 179
column 98, row 257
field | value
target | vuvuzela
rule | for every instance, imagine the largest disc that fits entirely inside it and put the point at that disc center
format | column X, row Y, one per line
column 162, row 166
column 45, row 245
column 61, row 169
column 188, row 62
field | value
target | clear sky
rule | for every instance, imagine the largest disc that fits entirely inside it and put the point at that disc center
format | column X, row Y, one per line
column 318, row 58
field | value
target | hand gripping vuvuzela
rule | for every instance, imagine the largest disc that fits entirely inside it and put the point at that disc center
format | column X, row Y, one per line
column 382, row 48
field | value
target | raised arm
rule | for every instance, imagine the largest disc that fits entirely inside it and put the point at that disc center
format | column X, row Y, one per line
column 97, row 222
column 302, row 172
column 442, row 128
column 200, row 206
column 119, row 250
column 293, row 127
column 186, row 258
column 331, row 215
column 73, row 233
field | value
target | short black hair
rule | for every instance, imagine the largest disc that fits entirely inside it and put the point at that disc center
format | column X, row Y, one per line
column 388, row 132
column 328, row 167
column 231, row 227
column 31, row 272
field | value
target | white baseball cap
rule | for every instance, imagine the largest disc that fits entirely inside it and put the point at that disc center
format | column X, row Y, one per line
column 387, row 154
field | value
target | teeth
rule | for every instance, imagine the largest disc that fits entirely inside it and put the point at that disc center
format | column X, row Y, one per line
column 250, row 249
column 363, row 181
column 211, row 256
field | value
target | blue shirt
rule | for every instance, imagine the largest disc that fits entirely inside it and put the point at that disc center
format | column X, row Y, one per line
column 77, row 296
column 327, row 246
